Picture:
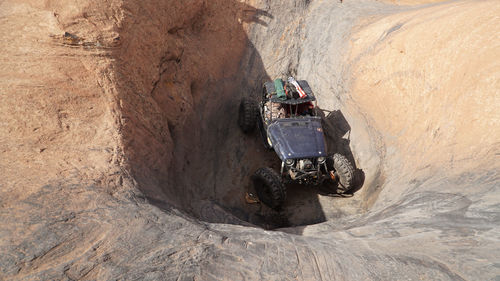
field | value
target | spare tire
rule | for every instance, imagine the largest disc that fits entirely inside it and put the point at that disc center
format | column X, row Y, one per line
column 344, row 173
column 247, row 115
column 269, row 188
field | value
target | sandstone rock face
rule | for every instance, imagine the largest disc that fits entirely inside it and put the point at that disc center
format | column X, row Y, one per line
column 121, row 157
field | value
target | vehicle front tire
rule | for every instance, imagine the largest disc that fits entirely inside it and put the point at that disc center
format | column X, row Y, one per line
column 344, row 173
column 269, row 188
column 247, row 115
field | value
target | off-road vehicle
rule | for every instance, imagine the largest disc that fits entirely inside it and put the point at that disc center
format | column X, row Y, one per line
column 288, row 123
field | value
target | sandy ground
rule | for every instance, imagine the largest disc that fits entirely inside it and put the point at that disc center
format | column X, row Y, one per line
column 121, row 157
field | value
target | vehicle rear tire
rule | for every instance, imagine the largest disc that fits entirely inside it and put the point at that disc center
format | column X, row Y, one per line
column 344, row 172
column 247, row 115
column 269, row 188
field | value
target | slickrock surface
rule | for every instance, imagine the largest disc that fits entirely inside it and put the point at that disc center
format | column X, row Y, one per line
column 121, row 158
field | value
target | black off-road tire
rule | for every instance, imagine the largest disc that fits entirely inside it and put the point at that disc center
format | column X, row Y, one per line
column 344, row 172
column 247, row 115
column 269, row 188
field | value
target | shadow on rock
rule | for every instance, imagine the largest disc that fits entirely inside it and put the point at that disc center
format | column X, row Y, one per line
column 337, row 136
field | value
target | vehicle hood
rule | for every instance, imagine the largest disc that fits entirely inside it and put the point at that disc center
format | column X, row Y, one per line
column 297, row 138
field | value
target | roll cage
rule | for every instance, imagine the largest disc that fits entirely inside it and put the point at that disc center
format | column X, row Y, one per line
column 294, row 107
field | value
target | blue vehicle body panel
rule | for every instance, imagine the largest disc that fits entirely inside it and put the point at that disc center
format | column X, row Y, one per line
column 297, row 138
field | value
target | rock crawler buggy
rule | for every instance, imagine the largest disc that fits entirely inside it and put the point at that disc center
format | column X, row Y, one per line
column 287, row 121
